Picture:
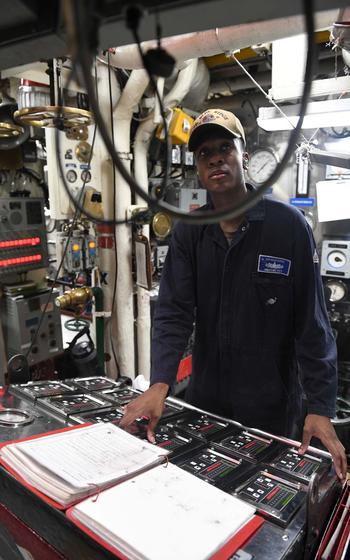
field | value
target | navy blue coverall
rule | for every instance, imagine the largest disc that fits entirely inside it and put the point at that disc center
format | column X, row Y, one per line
column 262, row 335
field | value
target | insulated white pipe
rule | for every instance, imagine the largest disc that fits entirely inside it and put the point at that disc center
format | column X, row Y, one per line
column 215, row 41
column 129, row 99
column 106, row 249
column 142, row 141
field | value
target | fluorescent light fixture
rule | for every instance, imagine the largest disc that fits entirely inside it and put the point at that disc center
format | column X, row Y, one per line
column 319, row 114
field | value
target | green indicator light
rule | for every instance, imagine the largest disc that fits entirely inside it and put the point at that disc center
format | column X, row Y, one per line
column 225, row 472
column 287, row 499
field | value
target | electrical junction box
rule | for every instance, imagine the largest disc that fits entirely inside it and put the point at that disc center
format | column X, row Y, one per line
column 78, row 170
column 178, row 128
column 21, row 317
column 187, row 199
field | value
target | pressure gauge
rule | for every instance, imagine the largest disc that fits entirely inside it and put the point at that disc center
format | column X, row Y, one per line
column 262, row 163
column 336, row 259
column 71, row 176
column 337, row 290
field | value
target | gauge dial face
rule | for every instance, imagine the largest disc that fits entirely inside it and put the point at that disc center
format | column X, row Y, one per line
column 86, row 176
column 336, row 259
column 71, row 176
column 338, row 290
column 262, row 163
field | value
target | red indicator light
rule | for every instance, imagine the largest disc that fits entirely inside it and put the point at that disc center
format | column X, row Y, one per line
column 14, row 243
column 20, row 260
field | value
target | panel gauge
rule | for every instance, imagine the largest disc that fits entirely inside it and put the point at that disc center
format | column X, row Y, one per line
column 40, row 389
column 246, row 444
column 262, row 164
column 337, row 290
column 211, row 466
column 65, row 405
column 119, row 396
column 98, row 383
column 276, row 498
column 299, row 466
column 200, row 425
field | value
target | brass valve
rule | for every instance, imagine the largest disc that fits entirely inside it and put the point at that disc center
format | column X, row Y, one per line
column 77, row 297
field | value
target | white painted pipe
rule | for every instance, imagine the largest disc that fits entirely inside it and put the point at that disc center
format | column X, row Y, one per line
column 128, row 101
column 141, row 144
column 215, row 41
column 106, row 251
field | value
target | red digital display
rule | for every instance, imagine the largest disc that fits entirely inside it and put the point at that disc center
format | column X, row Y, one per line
column 16, row 243
column 15, row 261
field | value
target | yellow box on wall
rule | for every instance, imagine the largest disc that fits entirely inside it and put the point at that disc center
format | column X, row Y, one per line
column 178, row 128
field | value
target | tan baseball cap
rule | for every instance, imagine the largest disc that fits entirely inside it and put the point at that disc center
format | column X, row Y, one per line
column 214, row 118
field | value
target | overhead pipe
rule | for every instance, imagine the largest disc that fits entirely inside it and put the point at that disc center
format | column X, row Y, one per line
column 142, row 141
column 215, row 41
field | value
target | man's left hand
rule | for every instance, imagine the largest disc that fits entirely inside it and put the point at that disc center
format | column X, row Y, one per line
column 322, row 428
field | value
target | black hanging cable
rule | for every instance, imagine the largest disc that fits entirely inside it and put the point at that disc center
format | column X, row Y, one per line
column 114, row 216
column 84, row 59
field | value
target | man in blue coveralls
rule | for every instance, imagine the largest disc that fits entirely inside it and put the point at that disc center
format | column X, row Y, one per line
column 252, row 286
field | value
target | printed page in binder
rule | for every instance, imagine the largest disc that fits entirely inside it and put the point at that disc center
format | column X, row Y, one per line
column 73, row 464
column 163, row 513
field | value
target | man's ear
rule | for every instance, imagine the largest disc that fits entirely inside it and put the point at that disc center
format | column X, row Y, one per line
column 245, row 159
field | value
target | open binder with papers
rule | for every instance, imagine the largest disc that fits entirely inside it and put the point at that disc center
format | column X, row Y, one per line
column 125, row 495
column 72, row 464
column 167, row 513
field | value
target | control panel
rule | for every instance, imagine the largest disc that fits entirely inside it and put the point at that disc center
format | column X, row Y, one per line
column 300, row 467
column 263, row 470
column 65, row 405
column 121, row 397
column 23, row 242
column 81, row 167
column 96, row 383
column 247, row 445
column 21, row 316
column 39, row 389
column 335, row 259
column 274, row 497
column 213, row 467
column 201, row 425
column 112, row 415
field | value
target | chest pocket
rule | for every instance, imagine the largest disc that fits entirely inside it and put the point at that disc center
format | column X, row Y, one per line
column 275, row 297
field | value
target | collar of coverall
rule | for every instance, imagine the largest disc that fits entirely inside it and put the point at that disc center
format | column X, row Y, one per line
column 256, row 213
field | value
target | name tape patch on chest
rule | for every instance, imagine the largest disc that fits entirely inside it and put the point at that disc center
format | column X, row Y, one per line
column 273, row 265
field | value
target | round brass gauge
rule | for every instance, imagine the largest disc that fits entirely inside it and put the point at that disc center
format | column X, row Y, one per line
column 83, row 152
column 78, row 133
column 49, row 116
column 9, row 130
column 15, row 417
column 337, row 290
column 261, row 165
column 161, row 224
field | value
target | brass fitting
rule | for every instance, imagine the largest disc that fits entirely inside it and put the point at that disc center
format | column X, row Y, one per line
column 77, row 297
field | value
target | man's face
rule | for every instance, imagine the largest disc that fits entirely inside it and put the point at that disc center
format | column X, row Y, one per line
column 219, row 159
